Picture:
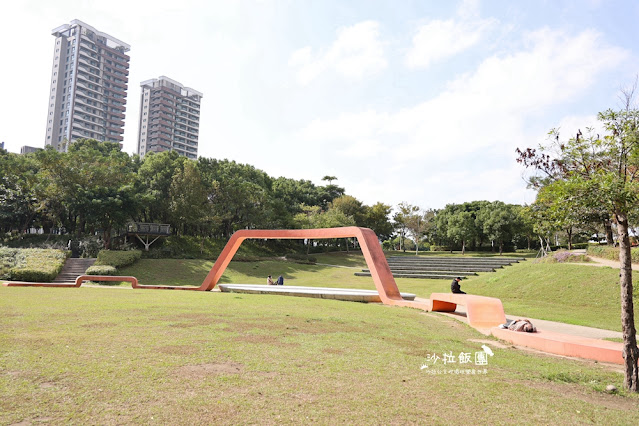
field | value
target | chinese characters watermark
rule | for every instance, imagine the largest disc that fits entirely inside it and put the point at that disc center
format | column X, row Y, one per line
column 462, row 362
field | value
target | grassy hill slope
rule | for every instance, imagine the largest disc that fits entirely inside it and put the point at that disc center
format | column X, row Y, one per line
column 575, row 294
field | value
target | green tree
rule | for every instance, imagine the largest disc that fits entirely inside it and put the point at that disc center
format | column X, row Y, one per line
column 376, row 217
column 20, row 203
column 188, row 202
column 107, row 199
column 461, row 228
column 89, row 187
column 240, row 196
column 603, row 171
column 329, row 179
column 155, row 175
column 416, row 224
column 401, row 219
column 350, row 206
column 525, row 225
column 499, row 222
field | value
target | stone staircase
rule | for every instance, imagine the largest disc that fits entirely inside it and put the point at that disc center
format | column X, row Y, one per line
column 73, row 267
column 442, row 267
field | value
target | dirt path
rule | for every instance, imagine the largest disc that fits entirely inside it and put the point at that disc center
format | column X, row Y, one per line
column 598, row 261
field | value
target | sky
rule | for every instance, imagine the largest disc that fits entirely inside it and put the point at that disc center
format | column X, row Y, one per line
column 422, row 102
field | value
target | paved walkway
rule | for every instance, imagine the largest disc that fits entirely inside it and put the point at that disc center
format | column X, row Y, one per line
column 599, row 261
column 558, row 327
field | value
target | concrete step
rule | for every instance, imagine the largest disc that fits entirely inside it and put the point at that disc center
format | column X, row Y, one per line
column 482, row 259
column 448, row 261
column 73, row 267
column 442, row 268
column 455, row 272
column 425, row 276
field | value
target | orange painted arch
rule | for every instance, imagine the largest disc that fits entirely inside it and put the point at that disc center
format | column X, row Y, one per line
column 368, row 241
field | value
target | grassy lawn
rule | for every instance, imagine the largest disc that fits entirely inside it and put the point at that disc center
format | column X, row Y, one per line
column 574, row 294
column 122, row 356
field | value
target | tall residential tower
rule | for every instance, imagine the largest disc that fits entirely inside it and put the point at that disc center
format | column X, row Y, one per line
column 169, row 117
column 88, row 86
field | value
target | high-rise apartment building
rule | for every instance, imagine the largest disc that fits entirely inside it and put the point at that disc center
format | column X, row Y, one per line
column 169, row 117
column 88, row 86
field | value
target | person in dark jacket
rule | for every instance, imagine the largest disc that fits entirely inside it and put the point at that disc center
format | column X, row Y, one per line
column 455, row 287
column 280, row 280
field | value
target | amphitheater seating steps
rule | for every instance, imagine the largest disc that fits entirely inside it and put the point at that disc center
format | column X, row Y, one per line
column 443, row 267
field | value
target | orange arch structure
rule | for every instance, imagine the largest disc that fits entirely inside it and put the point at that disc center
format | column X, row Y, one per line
column 371, row 249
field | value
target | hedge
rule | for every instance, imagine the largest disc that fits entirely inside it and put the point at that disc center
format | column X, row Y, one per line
column 612, row 253
column 102, row 270
column 41, row 265
column 117, row 259
column 7, row 261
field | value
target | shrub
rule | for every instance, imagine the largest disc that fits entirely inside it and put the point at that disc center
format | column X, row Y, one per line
column 7, row 261
column 36, row 275
column 301, row 258
column 37, row 264
column 102, row 270
column 612, row 253
column 579, row 246
column 90, row 247
column 563, row 256
column 439, row 248
column 118, row 259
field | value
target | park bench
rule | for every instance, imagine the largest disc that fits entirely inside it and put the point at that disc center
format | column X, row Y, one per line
column 118, row 278
column 481, row 311
column 78, row 281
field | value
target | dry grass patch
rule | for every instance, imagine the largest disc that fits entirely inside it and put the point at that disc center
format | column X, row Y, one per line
column 267, row 360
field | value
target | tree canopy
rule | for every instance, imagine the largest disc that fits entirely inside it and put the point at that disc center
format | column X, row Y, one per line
column 590, row 174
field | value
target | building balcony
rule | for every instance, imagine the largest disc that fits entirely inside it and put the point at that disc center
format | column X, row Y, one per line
column 114, row 75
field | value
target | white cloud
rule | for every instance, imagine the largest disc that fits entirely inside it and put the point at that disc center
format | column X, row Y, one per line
column 473, row 127
column 356, row 52
column 439, row 40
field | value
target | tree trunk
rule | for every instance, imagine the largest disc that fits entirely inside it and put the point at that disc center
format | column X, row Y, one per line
column 610, row 240
column 106, row 236
column 569, row 234
column 630, row 351
column 463, row 247
column 501, row 247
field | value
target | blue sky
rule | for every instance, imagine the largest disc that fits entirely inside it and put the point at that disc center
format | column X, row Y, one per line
column 415, row 101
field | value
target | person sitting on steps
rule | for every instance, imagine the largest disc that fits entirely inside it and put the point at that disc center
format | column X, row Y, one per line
column 269, row 281
column 455, row 287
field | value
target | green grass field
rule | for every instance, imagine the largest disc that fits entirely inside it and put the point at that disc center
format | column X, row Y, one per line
column 122, row 356
column 570, row 293
column 114, row 355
